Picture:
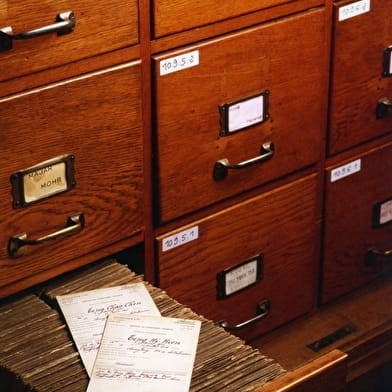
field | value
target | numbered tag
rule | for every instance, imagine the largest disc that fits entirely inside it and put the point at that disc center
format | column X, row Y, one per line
column 354, row 9
column 178, row 63
column 345, row 170
column 180, row 238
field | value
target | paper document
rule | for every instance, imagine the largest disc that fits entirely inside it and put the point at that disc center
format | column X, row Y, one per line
column 145, row 354
column 86, row 314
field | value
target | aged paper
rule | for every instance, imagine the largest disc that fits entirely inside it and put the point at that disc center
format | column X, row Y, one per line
column 145, row 354
column 86, row 313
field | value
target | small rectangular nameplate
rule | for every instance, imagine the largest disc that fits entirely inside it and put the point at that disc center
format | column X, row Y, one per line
column 354, row 9
column 40, row 181
column 387, row 62
column 244, row 113
column 239, row 277
column 178, row 63
column 332, row 338
column 180, row 238
column 345, row 170
column 382, row 213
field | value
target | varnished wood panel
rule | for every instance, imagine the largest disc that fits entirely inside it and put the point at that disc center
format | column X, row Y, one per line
column 100, row 27
column 357, row 82
column 97, row 118
column 230, row 68
column 349, row 228
column 179, row 15
column 324, row 374
column 280, row 225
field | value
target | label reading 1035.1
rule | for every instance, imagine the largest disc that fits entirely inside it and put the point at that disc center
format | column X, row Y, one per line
column 180, row 238
column 178, row 63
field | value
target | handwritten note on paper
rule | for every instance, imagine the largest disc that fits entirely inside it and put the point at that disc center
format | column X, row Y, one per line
column 145, row 353
column 86, row 314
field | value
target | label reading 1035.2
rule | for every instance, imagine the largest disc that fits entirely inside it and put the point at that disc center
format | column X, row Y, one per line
column 180, row 238
column 178, row 63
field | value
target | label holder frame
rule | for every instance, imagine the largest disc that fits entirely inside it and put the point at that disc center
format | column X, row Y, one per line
column 17, row 184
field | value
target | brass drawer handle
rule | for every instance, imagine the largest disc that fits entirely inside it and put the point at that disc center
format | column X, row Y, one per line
column 373, row 257
column 17, row 244
column 65, row 23
column 222, row 166
column 383, row 105
column 263, row 309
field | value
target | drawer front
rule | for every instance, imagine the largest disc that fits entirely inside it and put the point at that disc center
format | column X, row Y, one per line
column 358, row 216
column 192, row 104
column 95, row 122
column 278, row 225
column 179, row 15
column 99, row 27
column 361, row 74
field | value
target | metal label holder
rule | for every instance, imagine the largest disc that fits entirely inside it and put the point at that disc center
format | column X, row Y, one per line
column 225, row 113
column 240, row 268
column 17, row 179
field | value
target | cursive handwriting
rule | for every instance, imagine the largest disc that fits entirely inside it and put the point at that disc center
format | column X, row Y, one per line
column 113, row 308
column 136, row 375
column 153, row 342
column 91, row 346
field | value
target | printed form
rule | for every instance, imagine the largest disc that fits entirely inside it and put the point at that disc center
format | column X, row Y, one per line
column 86, row 314
column 145, row 354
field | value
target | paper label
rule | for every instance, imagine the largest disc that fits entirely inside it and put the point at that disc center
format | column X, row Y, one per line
column 45, row 182
column 385, row 212
column 354, row 9
column 345, row 170
column 389, row 61
column 241, row 277
column 179, row 63
column 246, row 113
column 180, row 238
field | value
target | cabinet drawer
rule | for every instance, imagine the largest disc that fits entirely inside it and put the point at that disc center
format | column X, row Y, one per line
column 192, row 105
column 279, row 226
column 89, row 129
column 358, row 216
column 180, row 15
column 100, row 27
column 361, row 74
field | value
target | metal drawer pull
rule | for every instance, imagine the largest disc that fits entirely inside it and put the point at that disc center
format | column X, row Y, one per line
column 383, row 105
column 222, row 166
column 18, row 243
column 65, row 23
column 263, row 308
column 373, row 254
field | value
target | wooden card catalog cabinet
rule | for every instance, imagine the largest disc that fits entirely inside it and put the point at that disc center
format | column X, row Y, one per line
column 71, row 175
column 358, row 222
column 35, row 35
column 238, row 111
column 242, row 265
column 361, row 99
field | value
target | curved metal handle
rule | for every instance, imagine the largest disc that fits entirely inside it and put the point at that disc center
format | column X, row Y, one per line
column 382, row 107
column 263, row 308
column 222, row 166
column 373, row 257
column 17, row 244
column 65, row 23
